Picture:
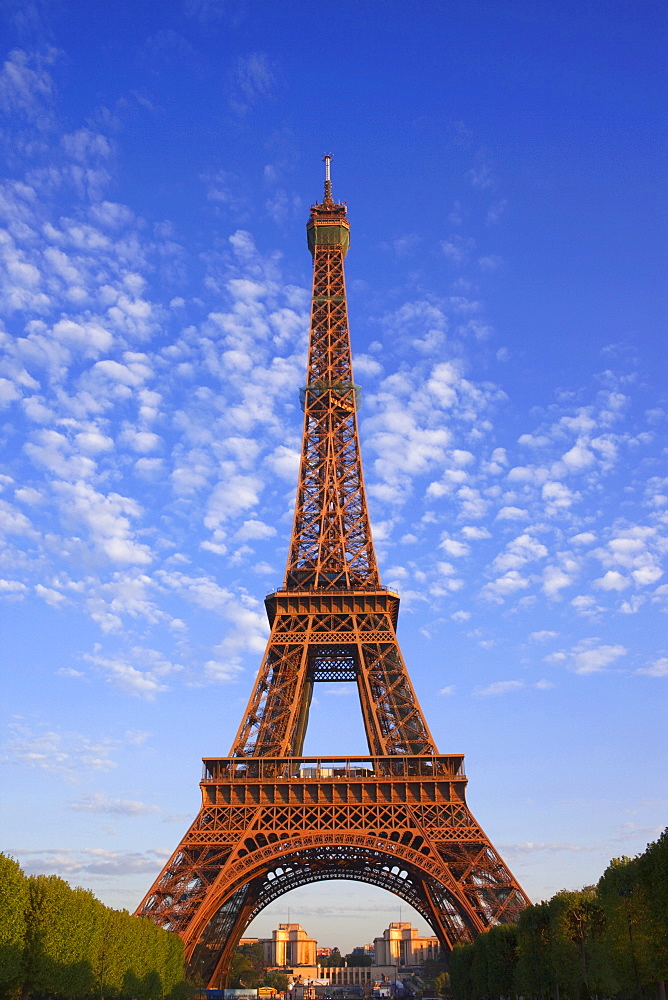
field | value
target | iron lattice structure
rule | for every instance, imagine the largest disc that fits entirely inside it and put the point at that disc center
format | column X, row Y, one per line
column 272, row 819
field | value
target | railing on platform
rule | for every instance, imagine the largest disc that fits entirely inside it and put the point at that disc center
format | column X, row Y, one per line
column 398, row 767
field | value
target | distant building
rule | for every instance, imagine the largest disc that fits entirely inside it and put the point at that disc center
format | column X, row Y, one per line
column 290, row 950
column 402, row 944
column 365, row 950
column 288, row 947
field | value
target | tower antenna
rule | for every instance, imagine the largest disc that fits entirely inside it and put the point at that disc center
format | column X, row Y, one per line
column 327, row 159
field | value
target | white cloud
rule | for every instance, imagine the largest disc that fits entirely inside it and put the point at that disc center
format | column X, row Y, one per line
column 284, row 462
column 255, row 529
column 521, row 550
column 646, row 575
column 522, row 850
column 99, row 803
column 66, row 753
column 586, row 605
column 528, row 474
column 474, row 534
column 587, row 657
column 107, row 519
column 454, row 548
column 504, row 586
column 142, row 442
column 659, row 668
column 460, row 616
column 578, row 457
column 554, row 581
column 93, row 442
column 612, row 580
column 584, row 538
column 48, row 594
column 232, row 496
column 89, row 337
column 91, row 861
column 26, row 87
column 252, row 81
column 145, row 680
column 499, row 688
column 557, row 497
column 512, row 514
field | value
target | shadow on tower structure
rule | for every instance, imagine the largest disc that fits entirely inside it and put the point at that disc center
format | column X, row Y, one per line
column 272, row 819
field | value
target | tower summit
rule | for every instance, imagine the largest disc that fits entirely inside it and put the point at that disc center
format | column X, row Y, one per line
column 272, row 819
column 331, row 547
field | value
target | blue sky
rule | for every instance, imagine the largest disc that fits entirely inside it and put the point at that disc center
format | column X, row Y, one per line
column 504, row 165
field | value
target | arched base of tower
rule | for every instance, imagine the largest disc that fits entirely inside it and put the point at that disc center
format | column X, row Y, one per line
column 270, row 825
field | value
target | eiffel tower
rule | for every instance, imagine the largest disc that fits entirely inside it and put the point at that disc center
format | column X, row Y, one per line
column 273, row 819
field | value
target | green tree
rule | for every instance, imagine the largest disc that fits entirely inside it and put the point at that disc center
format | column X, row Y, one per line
column 358, row 960
column 279, row 981
column 500, row 944
column 248, row 966
column 14, row 896
column 479, row 968
column 635, row 939
column 59, row 941
column 577, row 922
column 653, row 886
column 461, row 969
column 534, row 975
column 59, row 933
column 333, row 961
column 442, row 983
column 435, row 976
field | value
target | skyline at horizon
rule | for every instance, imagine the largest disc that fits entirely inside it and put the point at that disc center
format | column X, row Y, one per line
column 506, row 286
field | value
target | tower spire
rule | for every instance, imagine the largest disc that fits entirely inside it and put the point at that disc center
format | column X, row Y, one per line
column 327, row 158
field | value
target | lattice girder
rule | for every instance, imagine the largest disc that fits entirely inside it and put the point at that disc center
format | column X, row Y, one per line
column 331, row 544
column 361, row 629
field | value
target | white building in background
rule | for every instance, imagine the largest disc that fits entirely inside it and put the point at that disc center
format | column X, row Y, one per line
column 289, row 947
column 402, row 944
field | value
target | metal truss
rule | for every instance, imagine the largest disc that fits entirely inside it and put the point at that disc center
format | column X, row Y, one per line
column 328, row 636
column 271, row 819
column 331, row 544
column 268, row 825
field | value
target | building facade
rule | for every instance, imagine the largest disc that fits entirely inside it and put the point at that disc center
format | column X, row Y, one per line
column 288, row 947
column 402, row 944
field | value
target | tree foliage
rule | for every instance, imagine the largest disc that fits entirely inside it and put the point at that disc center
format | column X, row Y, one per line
column 606, row 940
column 333, row 961
column 62, row 942
column 461, row 972
column 248, row 966
column 358, row 960
column 13, row 905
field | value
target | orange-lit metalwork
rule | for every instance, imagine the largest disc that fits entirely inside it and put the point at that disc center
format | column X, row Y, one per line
column 272, row 819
